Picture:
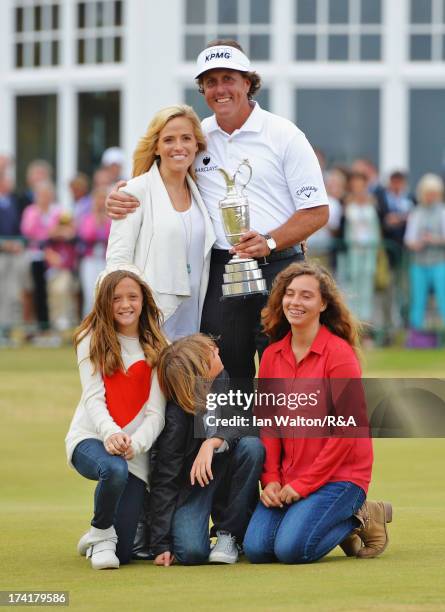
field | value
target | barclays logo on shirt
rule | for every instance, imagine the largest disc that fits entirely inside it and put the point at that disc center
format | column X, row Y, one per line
column 306, row 190
column 204, row 165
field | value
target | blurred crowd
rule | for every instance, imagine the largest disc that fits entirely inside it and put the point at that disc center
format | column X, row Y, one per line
column 50, row 256
column 384, row 243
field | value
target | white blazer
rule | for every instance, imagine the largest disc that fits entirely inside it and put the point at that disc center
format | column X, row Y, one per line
column 152, row 238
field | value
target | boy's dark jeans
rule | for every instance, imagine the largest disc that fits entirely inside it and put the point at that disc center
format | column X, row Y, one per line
column 239, row 471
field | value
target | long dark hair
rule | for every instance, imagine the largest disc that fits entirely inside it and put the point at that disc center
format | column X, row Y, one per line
column 337, row 317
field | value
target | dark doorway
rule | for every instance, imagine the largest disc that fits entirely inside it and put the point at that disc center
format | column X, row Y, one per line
column 36, row 133
column 99, row 127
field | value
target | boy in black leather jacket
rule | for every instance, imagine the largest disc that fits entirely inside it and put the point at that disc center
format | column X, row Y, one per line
column 189, row 471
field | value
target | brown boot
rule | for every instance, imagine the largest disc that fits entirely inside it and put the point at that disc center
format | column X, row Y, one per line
column 351, row 545
column 373, row 516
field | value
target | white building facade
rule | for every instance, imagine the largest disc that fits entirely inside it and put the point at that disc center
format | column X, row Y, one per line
column 360, row 77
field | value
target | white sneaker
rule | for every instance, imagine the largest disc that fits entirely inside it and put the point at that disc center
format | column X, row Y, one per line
column 100, row 545
column 225, row 549
column 83, row 544
column 103, row 555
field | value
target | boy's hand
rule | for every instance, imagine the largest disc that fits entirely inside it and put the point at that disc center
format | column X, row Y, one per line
column 164, row 559
column 202, row 466
column 270, row 495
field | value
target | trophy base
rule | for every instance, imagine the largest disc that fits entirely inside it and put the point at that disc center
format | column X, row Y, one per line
column 243, row 278
column 244, row 289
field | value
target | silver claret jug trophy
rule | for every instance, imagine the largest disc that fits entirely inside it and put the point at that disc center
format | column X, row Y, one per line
column 242, row 276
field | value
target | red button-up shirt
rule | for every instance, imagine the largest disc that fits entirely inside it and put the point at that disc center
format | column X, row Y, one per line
column 309, row 463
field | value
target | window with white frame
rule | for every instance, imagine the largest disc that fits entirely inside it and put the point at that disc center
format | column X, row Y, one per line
column 36, row 33
column 99, row 31
column 246, row 21
column 427, row 31
column 342, row 123
column 426, row 132
column 338, row 30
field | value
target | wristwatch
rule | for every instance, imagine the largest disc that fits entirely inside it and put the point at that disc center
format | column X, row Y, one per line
column 270, row 242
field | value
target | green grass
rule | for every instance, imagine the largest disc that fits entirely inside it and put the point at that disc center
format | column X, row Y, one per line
column 45, row 507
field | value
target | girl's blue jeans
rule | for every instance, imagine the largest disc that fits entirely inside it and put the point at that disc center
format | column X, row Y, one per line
column 118, row 496
column 306, row 530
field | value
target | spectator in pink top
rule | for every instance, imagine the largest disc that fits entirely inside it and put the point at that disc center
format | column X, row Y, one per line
column 93, row 231
column 38, row 220
column 61, row 259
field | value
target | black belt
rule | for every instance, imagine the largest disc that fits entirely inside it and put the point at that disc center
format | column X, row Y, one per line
column 284, row 254
column 222, row 256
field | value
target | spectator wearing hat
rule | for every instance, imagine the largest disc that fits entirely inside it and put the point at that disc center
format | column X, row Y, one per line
column 113, row 160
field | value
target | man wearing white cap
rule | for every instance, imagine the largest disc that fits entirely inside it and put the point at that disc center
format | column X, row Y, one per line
column 287, row 197
column 113, row 159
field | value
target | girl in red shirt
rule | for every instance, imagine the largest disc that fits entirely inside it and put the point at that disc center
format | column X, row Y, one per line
column 314, row 489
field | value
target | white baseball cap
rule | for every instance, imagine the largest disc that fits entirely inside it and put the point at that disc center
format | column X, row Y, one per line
column 113, row 155
column 221, row 56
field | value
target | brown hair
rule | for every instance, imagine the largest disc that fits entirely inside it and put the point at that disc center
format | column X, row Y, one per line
column 252, row 76
column 183, row 372
column 144, row 155
column 105, row 350
column 337, row 317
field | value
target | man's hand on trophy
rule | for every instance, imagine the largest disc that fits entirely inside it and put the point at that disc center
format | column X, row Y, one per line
column 251, row 244
column 119, row 204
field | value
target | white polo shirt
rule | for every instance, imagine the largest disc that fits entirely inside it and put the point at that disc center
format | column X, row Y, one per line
column 286, row 175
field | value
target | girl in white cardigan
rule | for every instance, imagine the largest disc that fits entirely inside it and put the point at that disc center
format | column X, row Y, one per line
column 120, row 414
column 170, row 235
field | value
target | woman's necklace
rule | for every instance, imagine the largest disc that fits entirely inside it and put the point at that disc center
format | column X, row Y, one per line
column 186, row 218
column 181, row 201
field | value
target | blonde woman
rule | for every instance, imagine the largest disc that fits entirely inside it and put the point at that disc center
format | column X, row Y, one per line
column 169, row 236
column 425, row 238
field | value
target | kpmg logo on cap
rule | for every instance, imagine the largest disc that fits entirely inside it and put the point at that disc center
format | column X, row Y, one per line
column 223, row 53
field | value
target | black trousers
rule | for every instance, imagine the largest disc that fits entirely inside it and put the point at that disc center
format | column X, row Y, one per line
column 40, row 297
column 236, row 322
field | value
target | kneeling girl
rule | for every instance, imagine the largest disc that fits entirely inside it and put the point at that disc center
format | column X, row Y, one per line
column 314, row 489
column 121, row 412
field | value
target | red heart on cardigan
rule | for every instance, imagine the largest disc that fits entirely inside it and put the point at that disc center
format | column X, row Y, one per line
column 127, row 392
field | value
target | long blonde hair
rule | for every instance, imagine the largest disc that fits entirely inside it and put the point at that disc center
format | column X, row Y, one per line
column 337, row 317
column 183, row 372
column 105, row 350
column 144, row 155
